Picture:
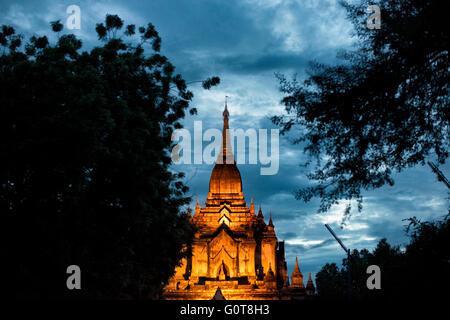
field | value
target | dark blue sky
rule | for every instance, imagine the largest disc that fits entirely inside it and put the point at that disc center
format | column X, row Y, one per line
column 244, row 43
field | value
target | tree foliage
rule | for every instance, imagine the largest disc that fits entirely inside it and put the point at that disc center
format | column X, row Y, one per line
column 85, row 139
column 420, row 271
column 383, row 109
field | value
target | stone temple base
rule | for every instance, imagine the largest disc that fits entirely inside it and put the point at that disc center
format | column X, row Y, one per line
column 231, row 290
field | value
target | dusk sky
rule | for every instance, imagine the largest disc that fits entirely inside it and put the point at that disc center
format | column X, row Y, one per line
column 245, row 42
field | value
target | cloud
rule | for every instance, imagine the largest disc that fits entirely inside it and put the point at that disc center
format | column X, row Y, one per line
column 288, row 235
column 305, row 244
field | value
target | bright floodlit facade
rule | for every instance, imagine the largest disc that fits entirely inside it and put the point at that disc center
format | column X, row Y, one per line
column 235, row 254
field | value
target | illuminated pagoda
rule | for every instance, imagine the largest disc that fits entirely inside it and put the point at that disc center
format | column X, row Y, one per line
column 235, row 254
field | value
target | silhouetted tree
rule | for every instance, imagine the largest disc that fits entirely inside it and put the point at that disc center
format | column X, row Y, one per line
column 85, row 140
column 331, row 283
column 385, row 108
column 421, row 271
column 429, row 254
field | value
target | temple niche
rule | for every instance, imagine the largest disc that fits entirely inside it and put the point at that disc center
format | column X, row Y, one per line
column 235, row 254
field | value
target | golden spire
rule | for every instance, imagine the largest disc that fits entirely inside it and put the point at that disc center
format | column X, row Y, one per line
column 252, row 207
column 270, row 220
column 226, row 155
column 225, row 181
column 297, row 276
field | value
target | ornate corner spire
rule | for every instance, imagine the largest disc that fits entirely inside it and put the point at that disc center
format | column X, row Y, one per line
column 296, row 268
column 297, row 276
column 310, row 284
column 252, row 207
column 197, row 207
column 309, row 279
column 270, row 220
column 260, row 214
column 270, row 276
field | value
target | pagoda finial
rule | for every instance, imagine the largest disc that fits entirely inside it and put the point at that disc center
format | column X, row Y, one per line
column 225, row 112
column 252, row 207
column 226, row 154
column 270, row 220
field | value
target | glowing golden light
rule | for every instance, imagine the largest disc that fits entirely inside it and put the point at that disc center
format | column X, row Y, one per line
column 235, row 254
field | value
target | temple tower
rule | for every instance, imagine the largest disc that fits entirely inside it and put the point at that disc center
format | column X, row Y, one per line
column 234, row 251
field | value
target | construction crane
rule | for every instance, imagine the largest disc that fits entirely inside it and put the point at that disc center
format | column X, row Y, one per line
column 349, row 279
column 439, row 173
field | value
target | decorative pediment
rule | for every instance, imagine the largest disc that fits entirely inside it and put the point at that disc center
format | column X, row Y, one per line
column 224, row 216
column 225, row 207
column 223, row 227
column 223, row 240
column 224, row 251
column 224, row 219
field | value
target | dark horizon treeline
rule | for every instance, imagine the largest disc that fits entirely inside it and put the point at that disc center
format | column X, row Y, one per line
column 419, row 272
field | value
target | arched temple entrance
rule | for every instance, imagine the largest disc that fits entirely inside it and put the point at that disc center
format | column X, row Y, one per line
column 223, row 272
